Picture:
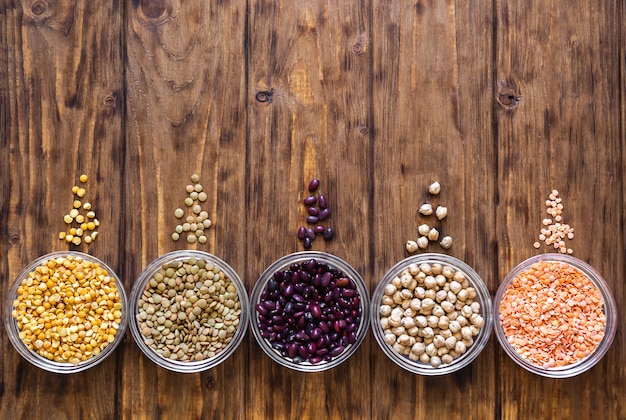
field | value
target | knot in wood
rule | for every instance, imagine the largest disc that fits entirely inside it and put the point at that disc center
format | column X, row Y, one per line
column 38, row 7
column 264, row 96
column 508, row 98
column 153, row 9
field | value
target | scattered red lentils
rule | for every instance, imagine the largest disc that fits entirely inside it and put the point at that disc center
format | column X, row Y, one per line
column 552, row 314
column 554, row 233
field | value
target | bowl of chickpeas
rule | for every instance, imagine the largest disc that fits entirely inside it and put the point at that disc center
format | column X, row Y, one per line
column 66, row 312
column 431, row 314
column 555, row 315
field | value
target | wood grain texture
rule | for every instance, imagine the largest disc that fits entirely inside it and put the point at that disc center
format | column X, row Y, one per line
column 186, row 114
column 562, row 133
column 309, row 118
column 432, row 108
column 64, row 103
column 500, row 102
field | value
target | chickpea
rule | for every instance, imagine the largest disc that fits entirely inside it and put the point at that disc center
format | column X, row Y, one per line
column 446, row 359
column 454, row 326
column 421, row 321
column 390, row 339
column 384, row 323
column 390, row 289
column 406, row 280
column 435, row 361
column 433, row 321
column 419, row 293
column 408, row 322
column 423, row 229
column 439, row 341
column 385, row 310
column 416, row 304
column 438, row 311
column 418, row 348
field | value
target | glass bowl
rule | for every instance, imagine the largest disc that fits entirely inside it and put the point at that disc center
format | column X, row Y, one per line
column 189, row 311
column 310, row 311
column 536, row 333
column 431, row 314
column 66, row 312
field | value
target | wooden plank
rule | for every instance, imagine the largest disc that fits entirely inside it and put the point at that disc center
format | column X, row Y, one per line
column 309, row 117
column 561, row 131
column 185, row 115
column 62, row 101
column 433, row 113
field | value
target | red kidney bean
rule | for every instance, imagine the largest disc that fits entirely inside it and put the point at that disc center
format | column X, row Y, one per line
column 310, row 233
column 329, row 233
column 337, row 351
column 323, row 214
column 319, row 229
column 310, row 200
column 312, row 219
column 316, row 311
column 307, row 242
column 301, row 232
column 313, row 211
column 342, row 282
column 314, row 184
column 315, row 359
column 323, row 203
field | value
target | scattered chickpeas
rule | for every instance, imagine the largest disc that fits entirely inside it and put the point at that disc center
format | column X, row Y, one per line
column 63, row 320
column 441, row 212
column 429, row 314
column 426, row 232
column 423, row 229
column 446, row 242
column 426, row 209
column 434, row 188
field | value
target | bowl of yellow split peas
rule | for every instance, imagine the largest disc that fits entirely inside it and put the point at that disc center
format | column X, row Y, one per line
column 66, row 312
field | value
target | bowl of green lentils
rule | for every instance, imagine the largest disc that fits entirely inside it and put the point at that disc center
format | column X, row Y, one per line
column 189, row 311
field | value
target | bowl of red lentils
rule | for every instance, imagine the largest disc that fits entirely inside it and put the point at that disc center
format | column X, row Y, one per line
column 66, row 312
column 431, row 314
column 189, row 311
column 309, row 311
column 555, row 315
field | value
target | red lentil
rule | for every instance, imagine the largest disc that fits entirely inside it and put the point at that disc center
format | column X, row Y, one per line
column 552, row 314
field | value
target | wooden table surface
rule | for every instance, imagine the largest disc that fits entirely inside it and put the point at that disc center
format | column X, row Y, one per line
column 499, row 101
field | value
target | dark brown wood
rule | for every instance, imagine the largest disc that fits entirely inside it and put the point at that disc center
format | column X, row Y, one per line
column 562, row 133
column 500, row 102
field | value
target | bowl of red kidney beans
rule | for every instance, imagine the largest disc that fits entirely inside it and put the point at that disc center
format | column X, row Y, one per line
column 310, row 311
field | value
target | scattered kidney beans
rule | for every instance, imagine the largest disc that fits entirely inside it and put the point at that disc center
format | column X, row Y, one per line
column 309, row 312
column 315, row 216
column 314, row 184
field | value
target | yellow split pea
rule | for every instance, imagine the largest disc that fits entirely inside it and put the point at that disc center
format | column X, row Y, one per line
column 67, row 309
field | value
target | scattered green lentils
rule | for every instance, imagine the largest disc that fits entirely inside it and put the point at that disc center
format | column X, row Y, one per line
column 189, row 310
column 196, row 219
